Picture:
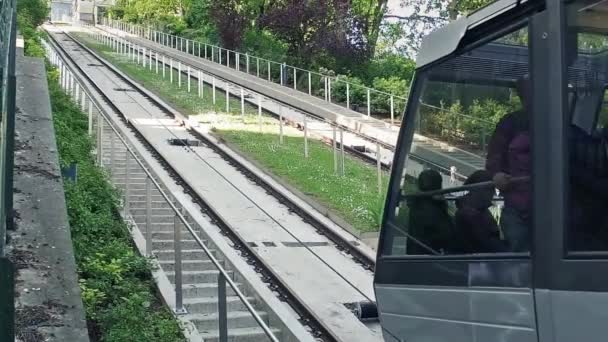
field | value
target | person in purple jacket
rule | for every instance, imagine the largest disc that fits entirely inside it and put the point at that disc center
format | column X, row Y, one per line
column 509, row 156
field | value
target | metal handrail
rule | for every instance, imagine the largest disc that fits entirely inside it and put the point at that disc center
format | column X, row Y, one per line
column 148, row 32
column 61, row 61
column 8, row 30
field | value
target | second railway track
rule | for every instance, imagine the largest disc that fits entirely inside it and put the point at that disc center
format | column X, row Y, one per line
column 315, row 270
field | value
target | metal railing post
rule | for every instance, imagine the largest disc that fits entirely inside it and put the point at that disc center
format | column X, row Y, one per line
column 227, row 97
column 369, row 106
column 127, row 174
column 260, row 112
column 335, row 148
column 179, row 74
column 148, row 216
column 329, row 89
column 309, row 83
column 342, row 151
column 257, row 67
column 171, row 70
column 392, row 110
column 347, row 95
column 164, row 66
column 280, row 124
column 177, row 245
column 379, row 167
column 200, row 84
column 305, row 137
column 269, row 75
column 242, row 102
column 213, row 89
column 247, row 62
column 189, row 75
column 90, row 130
column 156, row 62
column 222, row 308
column 295, row 79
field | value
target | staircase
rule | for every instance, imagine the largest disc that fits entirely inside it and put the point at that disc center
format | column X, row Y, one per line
column 199, row 274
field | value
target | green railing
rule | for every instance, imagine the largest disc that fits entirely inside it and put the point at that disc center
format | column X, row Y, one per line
column 8, row 30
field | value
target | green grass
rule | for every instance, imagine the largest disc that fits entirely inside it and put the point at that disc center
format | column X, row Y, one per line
column 116, row 284
column 354, row 197
column 188, row 102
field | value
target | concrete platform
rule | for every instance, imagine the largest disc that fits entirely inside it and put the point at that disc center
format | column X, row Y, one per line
column 48, row 303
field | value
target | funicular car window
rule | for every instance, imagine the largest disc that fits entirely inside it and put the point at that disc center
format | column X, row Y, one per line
column 588, row 130
column 466, row 183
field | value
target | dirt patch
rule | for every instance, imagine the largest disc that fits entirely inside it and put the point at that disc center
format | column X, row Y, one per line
column 23, row 259
column 32, row 169
column 27, row 321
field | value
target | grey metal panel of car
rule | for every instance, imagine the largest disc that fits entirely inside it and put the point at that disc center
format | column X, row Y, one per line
column 572, row 316
column 438, row 314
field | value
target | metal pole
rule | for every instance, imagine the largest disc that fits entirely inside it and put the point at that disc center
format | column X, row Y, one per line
column 164, row 66
column 206, row 51
column 187, row 48
column 228, row 58
column 156, row 62
column 247, row 62
column 189, row 74
column 335, row 146
column 257, row 67
column 342, row 149
column 219, row 53
column 260, row 112
column 171, row 69
column 282, row 66
column 222, row 308
column 200, row 84
column 150, row 62
column 242, row 102
column 127, row 172
column 309, row 83
column 325, row 84
column 369, row 106
column 177, row 245
column 348, row 95
column 305, row 137
column 280, row 124
column 329, row 88
column 295, row 79
column 199, row 50
column 379, row 167
column 227, row 97
column 99, row 140
column 212, row 53
column 269, row 71
column 90, row 117
column 148, row 216
column 213, row 88
column 179, row 74
column 392, row 110
column 238, row 61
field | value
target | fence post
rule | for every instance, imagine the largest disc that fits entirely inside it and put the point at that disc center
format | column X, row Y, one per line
column 379, row 167
column 171, row 69
column 257, row 67
column 325, row 85
column 127, row 172
column 329, row 89
column 212, row 53
column 148, row 216
column 227, row 97
column 369, row 107
column 237, row 62
column 282, row 72
column 247, row 62
column 164, row 66
column 90, row 117
column 222, row 308
column 156, row 62
column 305, row 137
column 179, row 74
column 213, row 88
column 335, row 148
column 295, row 79
column 219, row 55
column 392, row 110
column 177, row 245
column 269, row 75
column 280, row 124
column 189, row 71
column 342, row 150
column 347, row 95
column 200, row 84
column 309, row 83
column 242, row 103
column 260, row 112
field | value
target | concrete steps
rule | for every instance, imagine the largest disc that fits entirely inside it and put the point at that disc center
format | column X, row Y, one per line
column 199, row 274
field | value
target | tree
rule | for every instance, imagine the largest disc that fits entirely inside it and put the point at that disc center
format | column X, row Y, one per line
column 427, row 15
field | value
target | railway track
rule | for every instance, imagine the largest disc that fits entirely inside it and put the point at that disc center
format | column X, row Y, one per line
column 346, row 257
